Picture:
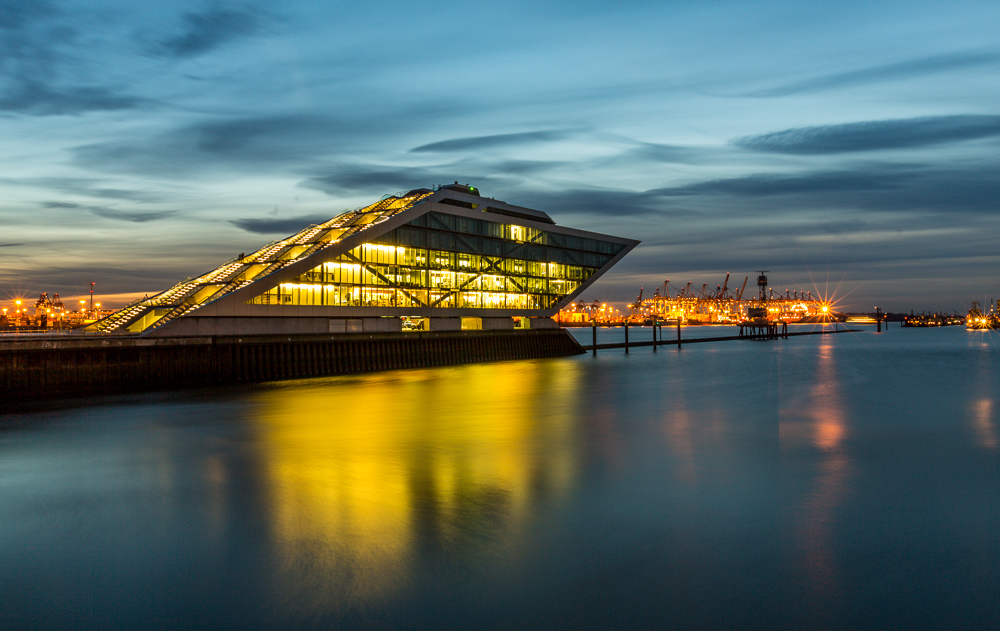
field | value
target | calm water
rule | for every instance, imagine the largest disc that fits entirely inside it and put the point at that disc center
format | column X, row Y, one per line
column 845, row 481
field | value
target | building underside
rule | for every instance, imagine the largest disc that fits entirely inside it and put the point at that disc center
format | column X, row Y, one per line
column 444, row 259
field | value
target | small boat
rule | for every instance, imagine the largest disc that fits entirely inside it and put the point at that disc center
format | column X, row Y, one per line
column 976, row 320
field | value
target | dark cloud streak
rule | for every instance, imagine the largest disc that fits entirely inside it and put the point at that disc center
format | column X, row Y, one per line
column 764, row 185
column 33, row 97
column 290, row 225
column 879, row 74
column 927, row 190
column 874, row 135
column 123, row 215
column 947, row 190
column 208, row 30
column 15, row 14
column 493, row 142
column 351, row 177
column 597, row 202
column 263, row 142
column 83, row 187
column 33, row 55
column 221, row 137
column 652, row 152
column 113, row 213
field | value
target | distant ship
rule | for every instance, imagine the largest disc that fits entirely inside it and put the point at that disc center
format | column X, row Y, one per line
column 976, row 320
column 932, row 320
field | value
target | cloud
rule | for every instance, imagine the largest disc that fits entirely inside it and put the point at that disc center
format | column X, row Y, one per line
column 880, row 74
column 485, row 173
column 32, row 97
column 14, row 14
column 229, row 136
column 33, row 55
column 262, row 142
column 10, row 245
column 492, row 142
column 946, row 190
column 258, row 143
column 290, row 225
column 770, row 184
column 84, row 187
column 136, row 217
column 529, row 168
column 205, row 31
column 597, row 202
column 113, row 213
column 664, row 201
column 652, row 152
column 921, row 191
column 359, row 177
column 874, row 135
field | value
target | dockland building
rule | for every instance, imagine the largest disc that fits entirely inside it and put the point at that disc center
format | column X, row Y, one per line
column 445, row 259
column 420, row 279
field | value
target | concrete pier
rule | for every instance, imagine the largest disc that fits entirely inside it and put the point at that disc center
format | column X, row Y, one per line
column 81, row 365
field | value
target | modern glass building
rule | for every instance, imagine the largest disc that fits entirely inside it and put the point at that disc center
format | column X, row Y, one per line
column 441, row 259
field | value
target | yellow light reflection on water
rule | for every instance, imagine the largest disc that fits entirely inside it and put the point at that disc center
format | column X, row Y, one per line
column 982, row 421
column 368, row 472
column 820, row 419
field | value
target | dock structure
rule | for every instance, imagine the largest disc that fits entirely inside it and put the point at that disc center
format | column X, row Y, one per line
column 60, row 365
column 658, row 340
column 764, row 330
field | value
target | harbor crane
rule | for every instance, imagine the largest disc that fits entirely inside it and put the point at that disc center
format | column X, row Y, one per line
column 739, row 296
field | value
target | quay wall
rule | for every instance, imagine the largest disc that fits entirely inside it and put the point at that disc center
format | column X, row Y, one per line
column 83, row 365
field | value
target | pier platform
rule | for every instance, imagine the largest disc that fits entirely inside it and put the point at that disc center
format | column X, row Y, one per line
column 74, row 365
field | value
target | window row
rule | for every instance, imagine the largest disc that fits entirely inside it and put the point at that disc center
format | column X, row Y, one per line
column 408, row 261
column 392, row 276
column 291, row 294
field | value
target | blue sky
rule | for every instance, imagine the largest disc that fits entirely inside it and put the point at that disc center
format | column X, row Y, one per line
column 847, row 146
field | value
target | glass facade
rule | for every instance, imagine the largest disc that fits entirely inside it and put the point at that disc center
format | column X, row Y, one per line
column 447, row 261
column 190, row 294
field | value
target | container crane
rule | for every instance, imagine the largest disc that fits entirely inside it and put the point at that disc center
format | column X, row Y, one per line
column 739, row 296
